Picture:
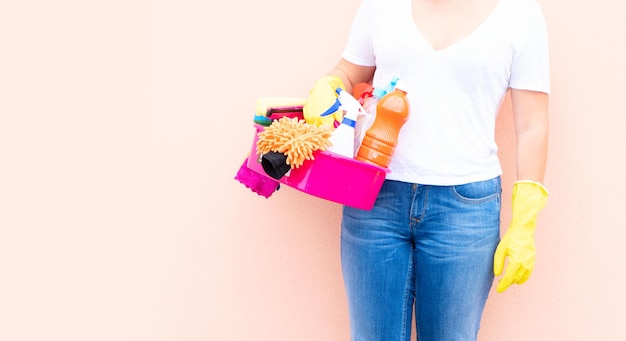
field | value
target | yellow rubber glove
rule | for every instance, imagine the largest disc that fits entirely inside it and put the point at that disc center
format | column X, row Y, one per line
column 322, row 105
column 518, row 243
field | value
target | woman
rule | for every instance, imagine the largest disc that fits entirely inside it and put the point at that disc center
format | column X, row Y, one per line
column 428, row 244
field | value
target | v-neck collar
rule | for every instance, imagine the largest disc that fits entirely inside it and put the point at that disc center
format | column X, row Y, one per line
column 463, row 39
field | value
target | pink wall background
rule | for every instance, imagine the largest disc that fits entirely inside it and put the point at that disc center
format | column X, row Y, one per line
column 122, row 124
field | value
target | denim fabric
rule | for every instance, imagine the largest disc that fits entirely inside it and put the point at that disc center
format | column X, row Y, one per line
column 422, row 247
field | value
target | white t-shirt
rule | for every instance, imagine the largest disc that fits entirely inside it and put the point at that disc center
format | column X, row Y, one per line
column 454, row 93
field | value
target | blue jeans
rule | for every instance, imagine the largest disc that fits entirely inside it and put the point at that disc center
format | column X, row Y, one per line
column 424, row 247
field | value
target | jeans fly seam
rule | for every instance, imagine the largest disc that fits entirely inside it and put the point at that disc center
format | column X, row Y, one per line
column 413, row 220
column 407, row 294
column 416, row 218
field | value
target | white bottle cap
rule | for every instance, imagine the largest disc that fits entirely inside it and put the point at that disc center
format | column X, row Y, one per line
column 402, row 85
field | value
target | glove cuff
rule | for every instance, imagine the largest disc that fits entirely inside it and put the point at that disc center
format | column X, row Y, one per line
column 529, row 193
column 529, row 197
column 534, row 183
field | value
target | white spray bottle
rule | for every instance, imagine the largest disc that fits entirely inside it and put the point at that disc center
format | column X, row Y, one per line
column 343, row 138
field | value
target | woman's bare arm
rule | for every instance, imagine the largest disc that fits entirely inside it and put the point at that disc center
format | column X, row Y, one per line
column 352, row 74
column 530, row 109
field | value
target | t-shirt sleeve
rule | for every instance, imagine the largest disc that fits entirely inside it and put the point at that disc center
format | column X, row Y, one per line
column 358, row 49
column 531, row 63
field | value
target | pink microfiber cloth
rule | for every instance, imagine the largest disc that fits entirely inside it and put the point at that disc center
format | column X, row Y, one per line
column 258, row 183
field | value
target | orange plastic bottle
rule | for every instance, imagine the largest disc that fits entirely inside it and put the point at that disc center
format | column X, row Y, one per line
column 381, row 138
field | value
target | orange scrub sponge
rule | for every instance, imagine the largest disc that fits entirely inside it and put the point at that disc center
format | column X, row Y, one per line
column 295, row 138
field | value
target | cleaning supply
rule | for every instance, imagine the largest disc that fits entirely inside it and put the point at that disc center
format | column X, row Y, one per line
column 322, row 105
column 365, row 121
column 392, row 85
column 256, row 182
column 343, row 137
column 518, row 243
column 362, row 91
column 265, row 105
column 294, row 138
column 275, row 164
column 269, row 109
column 328, row 176
column 381, row 138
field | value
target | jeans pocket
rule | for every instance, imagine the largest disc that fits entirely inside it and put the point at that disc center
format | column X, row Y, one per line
column 479, row 191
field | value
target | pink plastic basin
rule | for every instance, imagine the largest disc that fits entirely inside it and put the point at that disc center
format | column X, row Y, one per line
column 330, row 176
